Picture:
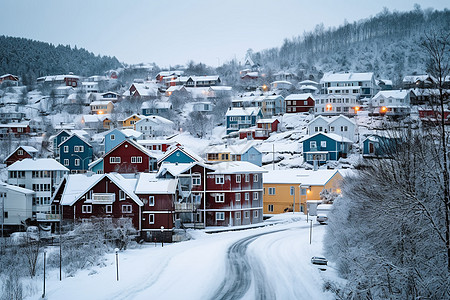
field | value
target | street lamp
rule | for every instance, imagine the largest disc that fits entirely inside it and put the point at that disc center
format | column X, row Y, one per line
column 45, row 255
column 162, row 236
column 116, row 250
column 310, row 231
column 82, row 160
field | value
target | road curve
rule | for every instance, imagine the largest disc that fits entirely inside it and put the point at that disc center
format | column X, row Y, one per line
column 241, row 270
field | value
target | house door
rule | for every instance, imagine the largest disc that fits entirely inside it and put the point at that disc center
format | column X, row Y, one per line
column 371, row 148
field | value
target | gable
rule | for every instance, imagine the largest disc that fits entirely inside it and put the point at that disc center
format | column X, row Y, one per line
column 178, row 156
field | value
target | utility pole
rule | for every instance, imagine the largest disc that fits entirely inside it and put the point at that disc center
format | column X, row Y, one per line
column 273, row 156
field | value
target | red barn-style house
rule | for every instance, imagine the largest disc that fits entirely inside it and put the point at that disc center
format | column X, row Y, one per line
column 9, row 78
column 433, row 116
column 262, row 130
column 234, row 194
column 296, row 103
column 16, row 128
column 20, row 153
column 129, row 157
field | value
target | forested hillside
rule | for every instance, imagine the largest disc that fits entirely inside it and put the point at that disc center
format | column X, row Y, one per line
column 387, row 44
column 31, row 59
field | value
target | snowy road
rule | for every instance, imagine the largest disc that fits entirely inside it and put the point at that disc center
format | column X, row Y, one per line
column 265, row 263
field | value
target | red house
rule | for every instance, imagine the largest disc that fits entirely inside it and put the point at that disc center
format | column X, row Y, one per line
column 16, row 128
column 20, row 153
column 296, row 103
column 433, row 116
column 9, row 77
column 234, row 194
column 129, row 157
column 100, row 195
column 262, row 131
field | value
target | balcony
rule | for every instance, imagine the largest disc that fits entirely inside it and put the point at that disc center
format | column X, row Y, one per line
column 42, row 217
column 185, row 207
column 103, row 198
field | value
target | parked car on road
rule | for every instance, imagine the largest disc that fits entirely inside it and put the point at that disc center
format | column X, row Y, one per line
column 318, row 260
column 322, row 218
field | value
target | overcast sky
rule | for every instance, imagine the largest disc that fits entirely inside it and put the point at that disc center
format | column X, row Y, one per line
column 174, row 32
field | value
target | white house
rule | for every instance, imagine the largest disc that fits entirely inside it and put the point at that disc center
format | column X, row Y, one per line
column 359, row 85
column 340, row 125
column 395, row 102
column 42, row 176
column 152, row 126
column 15, row 204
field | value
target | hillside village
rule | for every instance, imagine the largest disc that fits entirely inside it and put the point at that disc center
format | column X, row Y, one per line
column 177, row 151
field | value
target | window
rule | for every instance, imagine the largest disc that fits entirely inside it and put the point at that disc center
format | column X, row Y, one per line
column 238, row 178
column 136, row 159
column 66, row 149
column 86, row 209
column 108, row 209
column 151, row 201
column 20, row 152
column 238, row 197
column 305, row 102
column 5, row 215
column 271, row 191
column 323, row 144
column 255, row 195
column 78, row 148
column 270, row 208
column 255, row 214
column 213, row 156
column 246, row 214
column 220, row 198
column 196, row 179
column 77, row 162
column 220, row 216
column 237, row 214
column 126, row 208
column 313, row 144
column 247, row 178
column 247, row 196
column 112, row 137
column 255, row 178
column 151, row 219
column 332, row 128
column 303, row 191
column 121, row 195
column 220, row 179
column 292, row 191
column 114, row 160
column 66, row 162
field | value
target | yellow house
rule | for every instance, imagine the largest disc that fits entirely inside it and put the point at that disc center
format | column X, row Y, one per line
column 130, row 121
column 238, row 152
column 283, row 188
column 101, row 107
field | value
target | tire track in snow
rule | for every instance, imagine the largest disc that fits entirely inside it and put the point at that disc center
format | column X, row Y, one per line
column 240, row 270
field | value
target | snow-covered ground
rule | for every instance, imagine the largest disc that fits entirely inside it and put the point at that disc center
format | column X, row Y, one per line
column 271, row 262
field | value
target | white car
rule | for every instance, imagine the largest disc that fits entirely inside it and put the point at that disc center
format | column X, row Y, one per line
column 322, row 219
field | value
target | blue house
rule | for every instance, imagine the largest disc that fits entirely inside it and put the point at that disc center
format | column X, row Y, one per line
column 179, row 154
column 378, row 146
column 322, row 147
column 97, row 166
column 115, row 136
column 75, row 153
column 242, row 117
column 58, row 139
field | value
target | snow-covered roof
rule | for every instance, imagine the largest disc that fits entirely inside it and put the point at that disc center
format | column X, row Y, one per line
column 243, row 111
column 131, row 133
column 298, row 176
column 300, row 96
column 396, row 94
column 146, row 89
column 100, row 102
column 157, row 119
column 175, row 169
column 15, row 124
column 415, row 78
column 156, row 104
column 385, row 81
column 332, row 136
column 332, row 119
column 30, row 150
column 263, row 121
column 5, row 186
column 220, row 88
column 205, row 78
column 175, row 88
column 41, row 164
column 95, row 162
column 148, row 183
column 237, row 167
column 95, row 118
column 307, row 82
column 183, row 149
column 59, row 77
column 233, row 149
column 308, row 87
column 73, row 135
column 343, row 77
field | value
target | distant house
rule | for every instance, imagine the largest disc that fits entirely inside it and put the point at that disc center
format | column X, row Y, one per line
column 157, row 145
column 431, row 116
column 98, row 122
column 339, row 125
column 283, row 188
column 116, row 136
column 101, row 107
column 179, row 154
column 75, row 153
column 130, row 121
column 97, row 166
column 16, row 128
column 349, row 85
column 384, row 84
column 323, row 147
column 239, row 118
column 262, row 130
column 392, row 103
column 243, row 152
column 9, row 78
column 281, row 85
column 419, row 81
column 202, row 106
column 379, row 145
column 144, row 91
column 60, row 80
column 155, row 108
column 202, row 81
column 17, row 206
column 90, row 87
column 153, row 126
column 336, row 104
column 10, row 117
column 20, row 153
column 57, row 139
column 129, row 157
column 296, row 103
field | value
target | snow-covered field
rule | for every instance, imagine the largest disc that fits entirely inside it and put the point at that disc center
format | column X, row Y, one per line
column 271, row 262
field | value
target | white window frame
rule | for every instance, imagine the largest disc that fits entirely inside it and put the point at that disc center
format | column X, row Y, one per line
column 323, row 144
column 247, row 196
column 66, row 149
column 246, row 214
column 220, row 216
column 151, row 218
column 66, row 162
column 136, row 159
column 272, row 191
column 312, row 144
column 122, row 195
column 196, row 179
column 292, row 190
column 255, row 177
column 237, row 197
column 108, row 209
column 86, row 209
column 112, row 137
column 255, row 196
column 20, row 152
column 77, row 162
column 220, row 179
column 114, row 160
column 237, row 215
column 238, row 178
column 270, row 208
column 247, row 177
column 151, row 200
column 255, row 214
column 219, row 198
column 127, row 208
